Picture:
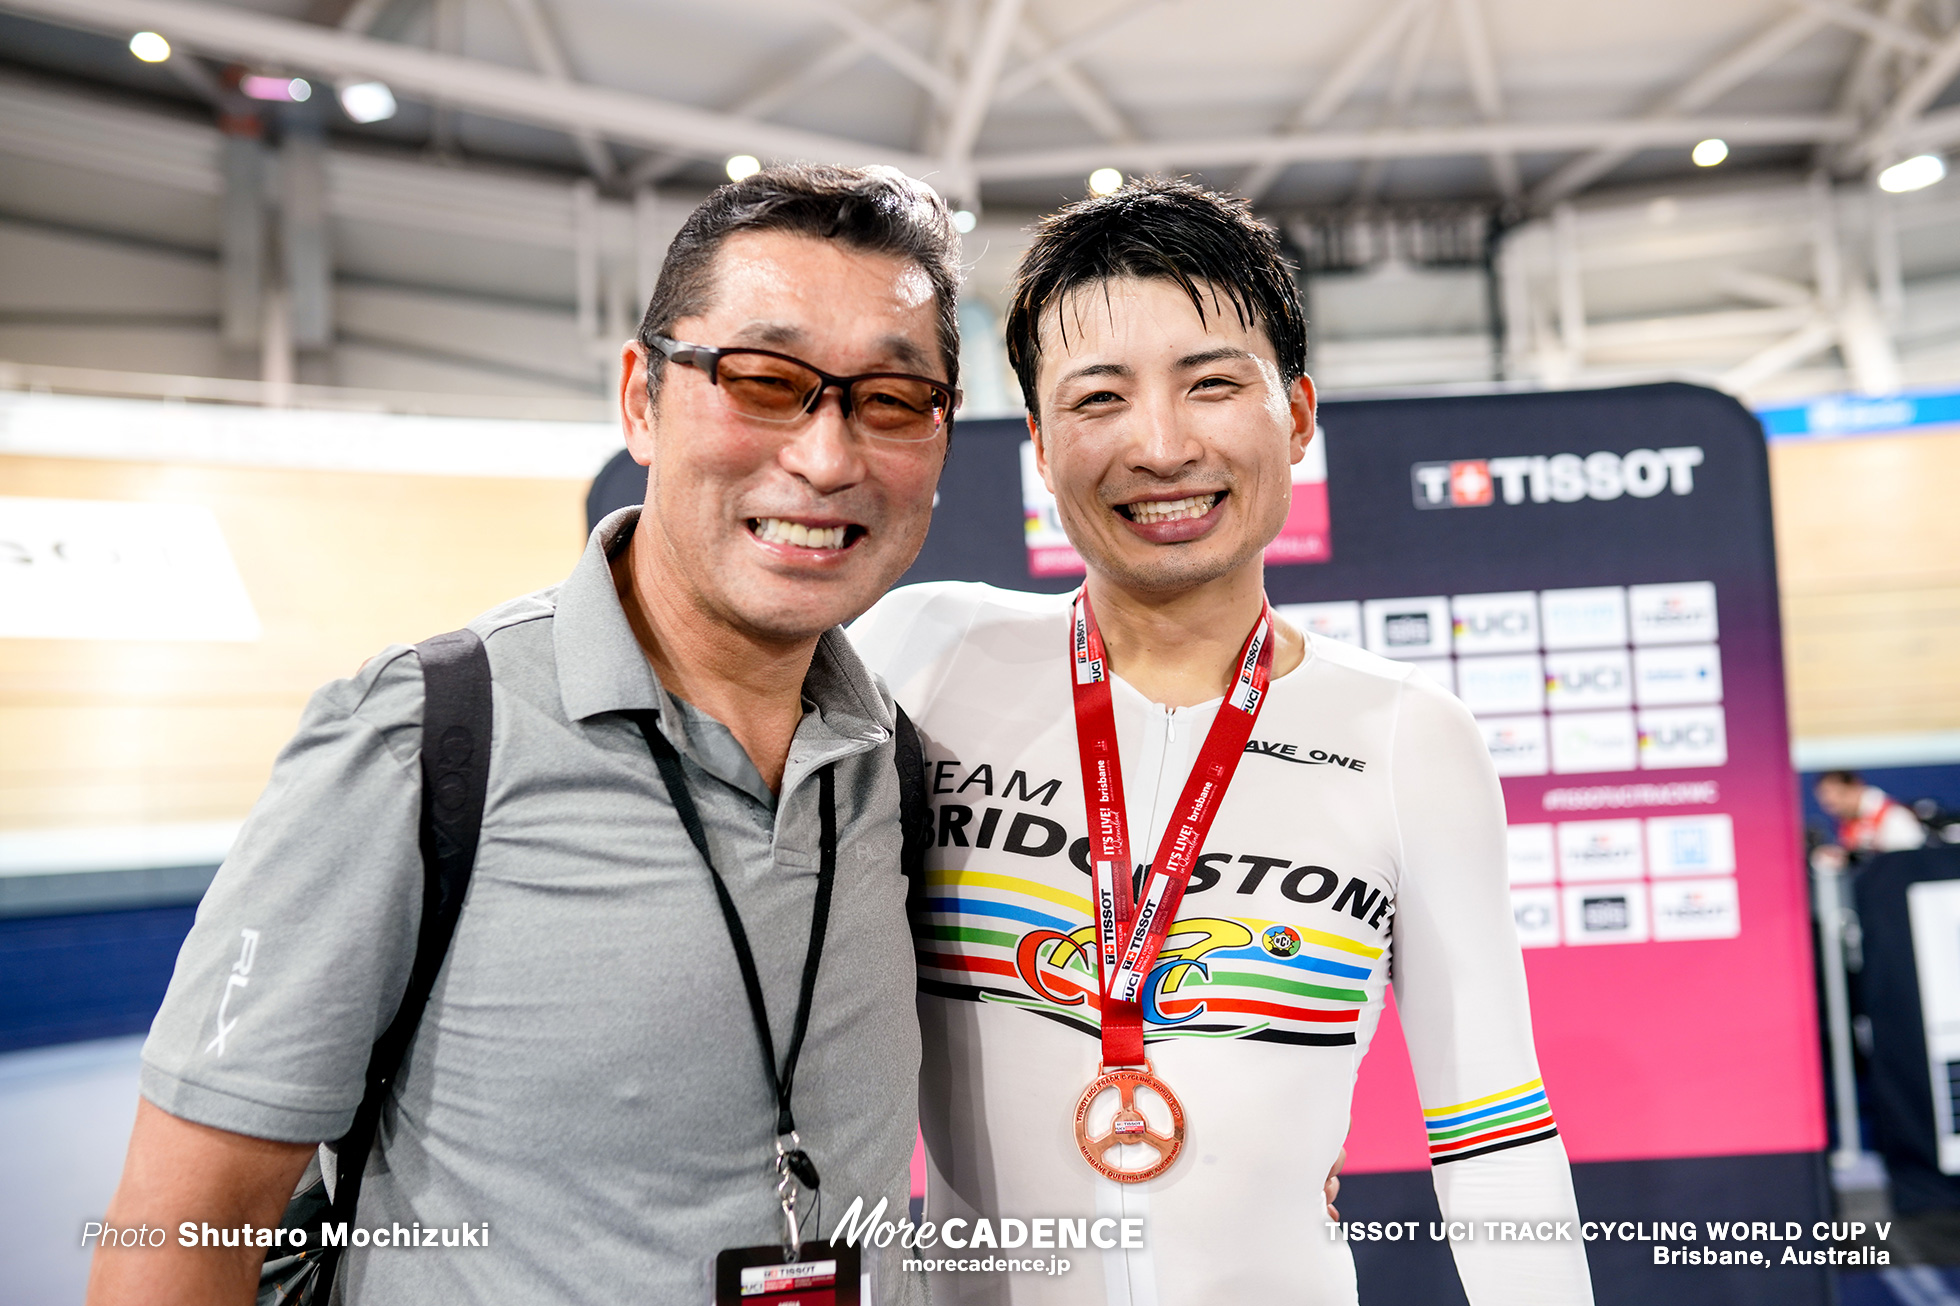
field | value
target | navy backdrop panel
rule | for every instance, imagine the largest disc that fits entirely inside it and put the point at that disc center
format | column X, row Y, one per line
column 95, row 975
column 1888, row 993
column 1777, row 1187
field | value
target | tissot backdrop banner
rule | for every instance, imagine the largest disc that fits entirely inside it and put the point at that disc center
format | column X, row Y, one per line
column 1593, row 574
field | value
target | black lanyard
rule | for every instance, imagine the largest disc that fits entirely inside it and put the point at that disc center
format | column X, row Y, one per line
column 781, row 1085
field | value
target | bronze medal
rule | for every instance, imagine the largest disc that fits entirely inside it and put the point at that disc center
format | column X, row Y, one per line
column 1129, row 1126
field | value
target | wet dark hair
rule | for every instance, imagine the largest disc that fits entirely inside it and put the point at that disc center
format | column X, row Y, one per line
column 1209, row 244
column 877, row 210
column 1841, row 777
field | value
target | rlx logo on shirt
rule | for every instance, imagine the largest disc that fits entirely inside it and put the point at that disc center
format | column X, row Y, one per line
column 1312, row 757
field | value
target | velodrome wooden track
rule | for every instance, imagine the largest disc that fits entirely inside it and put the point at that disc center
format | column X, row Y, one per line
column 341, row 564
column 1868, row 547
column 338, row 564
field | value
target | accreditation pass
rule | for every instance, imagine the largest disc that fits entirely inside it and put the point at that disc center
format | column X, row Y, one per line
column 759, row 1276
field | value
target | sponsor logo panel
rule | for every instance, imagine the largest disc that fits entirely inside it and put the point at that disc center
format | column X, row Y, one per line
column 1683, row 736
column 1517, row 744
column 1593, row 741
column 1691, row 845
column 1536, row 912
column 1341, row 621
column 1605, row 913
column 1599, row 850
column 1677, row 673
column 1507, row 683
column 1589, row 680
column 1673, row 614
column 1697, row 909
column 1407, row 628
column 1495, row 623
column 1529, row 850
column 1595, row 617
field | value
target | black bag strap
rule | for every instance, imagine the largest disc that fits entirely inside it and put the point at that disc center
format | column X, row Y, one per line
column 455, row 777
column 914, row 811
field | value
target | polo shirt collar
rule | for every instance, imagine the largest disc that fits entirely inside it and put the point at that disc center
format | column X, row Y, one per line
column 601, row 668
column 600, row 665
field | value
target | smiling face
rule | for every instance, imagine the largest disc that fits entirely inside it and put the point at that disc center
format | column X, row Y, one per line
column 782, row 530
column 1167, row 439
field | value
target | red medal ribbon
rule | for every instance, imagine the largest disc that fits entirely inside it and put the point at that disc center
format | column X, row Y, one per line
column 1129, row 934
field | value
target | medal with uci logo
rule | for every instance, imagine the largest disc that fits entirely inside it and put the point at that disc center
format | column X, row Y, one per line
column 1130, row 931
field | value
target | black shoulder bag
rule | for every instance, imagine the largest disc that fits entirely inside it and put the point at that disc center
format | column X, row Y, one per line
column 455, row 777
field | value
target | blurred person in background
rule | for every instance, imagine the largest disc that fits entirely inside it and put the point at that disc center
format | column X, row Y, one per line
column 589, row 1082
column 1869, row 821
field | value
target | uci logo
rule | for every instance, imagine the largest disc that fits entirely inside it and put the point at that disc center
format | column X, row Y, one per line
column 1693, row 737
column 1603, row 679
column 1485, row 625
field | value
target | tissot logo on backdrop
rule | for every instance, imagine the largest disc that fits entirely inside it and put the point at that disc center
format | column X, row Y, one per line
column 1557, row 478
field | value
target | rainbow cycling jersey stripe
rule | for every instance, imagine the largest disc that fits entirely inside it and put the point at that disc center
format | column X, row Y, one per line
column 1511, row 1118
column 1001, row 938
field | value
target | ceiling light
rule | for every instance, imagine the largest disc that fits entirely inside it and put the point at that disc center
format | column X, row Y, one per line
column 1710, row 152
column 149, row 47
column 367, row 101
column 1916, row 173
column 743, row 166
column 1105, row 181
column 964, row 221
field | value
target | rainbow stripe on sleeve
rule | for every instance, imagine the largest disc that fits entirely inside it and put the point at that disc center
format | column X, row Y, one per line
column 1489, row 1124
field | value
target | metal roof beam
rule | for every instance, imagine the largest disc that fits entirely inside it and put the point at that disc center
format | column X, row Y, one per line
column 1062, row 55
column 1401, row 90
column 1921, row 89
column 874, row 37
column 1698, row 92
column 1881, row 28
column 969, row 111
column 1335, row 90
column 549, row 55
column 1482, row 66
column 1418, row 142
column 507, row 93
column 1074, row 85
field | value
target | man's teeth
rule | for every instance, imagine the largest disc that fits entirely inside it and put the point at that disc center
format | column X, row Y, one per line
column 1172, row 509
column 774, row 530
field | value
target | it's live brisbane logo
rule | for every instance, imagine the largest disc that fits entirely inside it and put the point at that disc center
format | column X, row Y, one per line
column 1554, row 478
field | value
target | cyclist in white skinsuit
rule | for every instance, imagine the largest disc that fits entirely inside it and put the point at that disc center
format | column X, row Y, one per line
column 1360, row 841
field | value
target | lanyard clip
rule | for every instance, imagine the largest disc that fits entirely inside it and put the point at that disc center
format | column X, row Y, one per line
column 793, row 1164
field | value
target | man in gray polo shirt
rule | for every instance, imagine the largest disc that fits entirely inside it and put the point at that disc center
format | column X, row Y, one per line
column 586, row 1081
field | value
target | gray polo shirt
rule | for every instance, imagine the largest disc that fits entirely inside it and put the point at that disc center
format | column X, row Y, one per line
column 586, row 1079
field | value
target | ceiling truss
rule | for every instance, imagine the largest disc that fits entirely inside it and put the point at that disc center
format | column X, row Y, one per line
column 981, row 53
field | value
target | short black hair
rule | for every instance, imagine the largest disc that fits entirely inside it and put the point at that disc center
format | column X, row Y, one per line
column 1841, row 777
column 1209, row 244
column 877, row 210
